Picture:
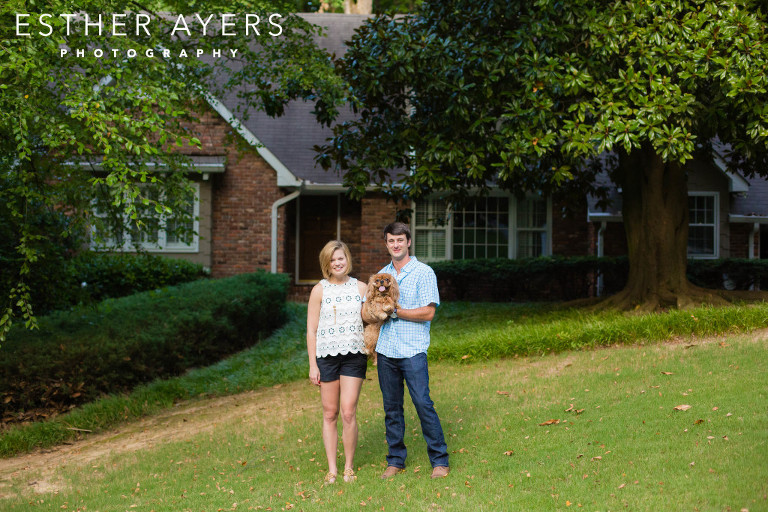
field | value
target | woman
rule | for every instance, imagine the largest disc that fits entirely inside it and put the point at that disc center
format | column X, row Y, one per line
column 337, row 358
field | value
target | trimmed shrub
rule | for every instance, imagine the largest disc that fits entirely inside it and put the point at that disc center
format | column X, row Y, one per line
column 547, row 278
column 568, row 278
column 730, row 273
column 76, row 356
column 104, row 275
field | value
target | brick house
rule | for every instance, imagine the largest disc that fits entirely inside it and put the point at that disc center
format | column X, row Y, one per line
column 269, row 207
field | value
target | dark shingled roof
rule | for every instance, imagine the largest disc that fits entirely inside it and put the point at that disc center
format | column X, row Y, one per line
column 292, row 136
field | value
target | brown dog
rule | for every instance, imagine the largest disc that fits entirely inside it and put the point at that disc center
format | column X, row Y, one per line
column 380, row 301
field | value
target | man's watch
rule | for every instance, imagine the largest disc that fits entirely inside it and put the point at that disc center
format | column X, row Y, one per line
column 393, row 316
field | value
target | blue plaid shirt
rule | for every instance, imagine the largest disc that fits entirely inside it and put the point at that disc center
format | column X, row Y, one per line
column 418, row 287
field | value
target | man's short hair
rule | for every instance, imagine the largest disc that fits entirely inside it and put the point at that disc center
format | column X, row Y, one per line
column 396, row 229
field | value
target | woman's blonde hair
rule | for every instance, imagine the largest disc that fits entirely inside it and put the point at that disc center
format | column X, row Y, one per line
column 327, row 253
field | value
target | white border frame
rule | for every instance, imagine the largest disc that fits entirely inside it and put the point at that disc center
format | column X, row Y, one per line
column 717, row 241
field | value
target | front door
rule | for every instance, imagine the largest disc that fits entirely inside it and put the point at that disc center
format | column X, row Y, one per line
column 318, row 224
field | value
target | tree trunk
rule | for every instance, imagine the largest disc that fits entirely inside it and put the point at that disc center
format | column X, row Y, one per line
column 655, row 214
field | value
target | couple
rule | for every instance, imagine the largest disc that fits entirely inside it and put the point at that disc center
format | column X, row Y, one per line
column 337, row 359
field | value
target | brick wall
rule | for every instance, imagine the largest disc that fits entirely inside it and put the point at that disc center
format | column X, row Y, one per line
column 740, row 233
column 242, row 202
column 375, row 214
column 351, row 229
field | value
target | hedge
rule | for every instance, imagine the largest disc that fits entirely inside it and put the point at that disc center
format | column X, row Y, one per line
column 79, row 355
column 568, row 278
column 60, row 281
column 103, row 275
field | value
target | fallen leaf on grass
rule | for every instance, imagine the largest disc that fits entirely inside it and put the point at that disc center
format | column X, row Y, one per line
column 508, row 393
column 622, row 486
column 579, row 411
column 509, row 452
column 569, row 409
column 667, row 373
column 466, row 356
column 597, row 458
column 682, row 407
column 698, row 422
column 549, row 422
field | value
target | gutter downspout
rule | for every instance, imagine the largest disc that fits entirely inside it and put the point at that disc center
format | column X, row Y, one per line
column 755, row 231
column 600, row 254
column 277, row 204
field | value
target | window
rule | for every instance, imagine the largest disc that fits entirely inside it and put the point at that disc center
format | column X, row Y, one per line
column 702, row 225
column 531, row 228
column 430, row 230
column 160, row 234
column 482, row 229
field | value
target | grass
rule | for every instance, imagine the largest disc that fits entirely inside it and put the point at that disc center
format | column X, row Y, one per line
column 281, row 358
column 462, row 332
column 628, row 448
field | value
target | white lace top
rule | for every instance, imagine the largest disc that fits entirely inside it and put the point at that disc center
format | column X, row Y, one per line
column 340, row 329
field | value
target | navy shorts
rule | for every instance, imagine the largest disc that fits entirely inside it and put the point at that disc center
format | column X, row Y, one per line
column 349, row 365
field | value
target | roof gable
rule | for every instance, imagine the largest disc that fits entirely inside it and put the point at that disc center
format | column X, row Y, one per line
column 286, row 142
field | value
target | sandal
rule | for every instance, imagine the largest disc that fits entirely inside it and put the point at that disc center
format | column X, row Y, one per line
column 349, row 475
column 330, row 478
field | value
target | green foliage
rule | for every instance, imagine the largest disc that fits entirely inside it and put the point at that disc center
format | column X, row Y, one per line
column 109, row 275
column 541, row 96
column 127, row 118
column 729, row 273
column 567, row 278
column 523, row 94
column 528, row 279
column 52, row 240
column 77, row 356
column 280, row 358
column 511, row 330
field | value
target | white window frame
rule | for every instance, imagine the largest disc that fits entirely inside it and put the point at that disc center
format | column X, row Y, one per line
column 162, row 245
column 512, row 223
column 446, row 228
column 715, row 226
column 515, row 229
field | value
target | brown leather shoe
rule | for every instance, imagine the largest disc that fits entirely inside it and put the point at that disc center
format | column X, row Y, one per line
column 440, row 472
column 391, row 471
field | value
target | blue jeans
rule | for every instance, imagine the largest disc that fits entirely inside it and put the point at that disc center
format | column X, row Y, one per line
column 414, row 371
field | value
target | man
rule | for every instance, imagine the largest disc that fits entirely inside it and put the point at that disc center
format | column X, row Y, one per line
column 402, row 355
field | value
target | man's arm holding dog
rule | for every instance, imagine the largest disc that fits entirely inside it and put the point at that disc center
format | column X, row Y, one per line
column 422, row 314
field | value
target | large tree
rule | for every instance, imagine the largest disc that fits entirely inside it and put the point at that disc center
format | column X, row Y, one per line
column 128, row 103
column 539, row 95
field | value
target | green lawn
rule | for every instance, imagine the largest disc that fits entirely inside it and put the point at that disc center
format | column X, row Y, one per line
column 614, row 439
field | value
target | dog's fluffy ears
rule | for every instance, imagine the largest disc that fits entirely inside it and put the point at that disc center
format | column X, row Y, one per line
column 394, row 289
